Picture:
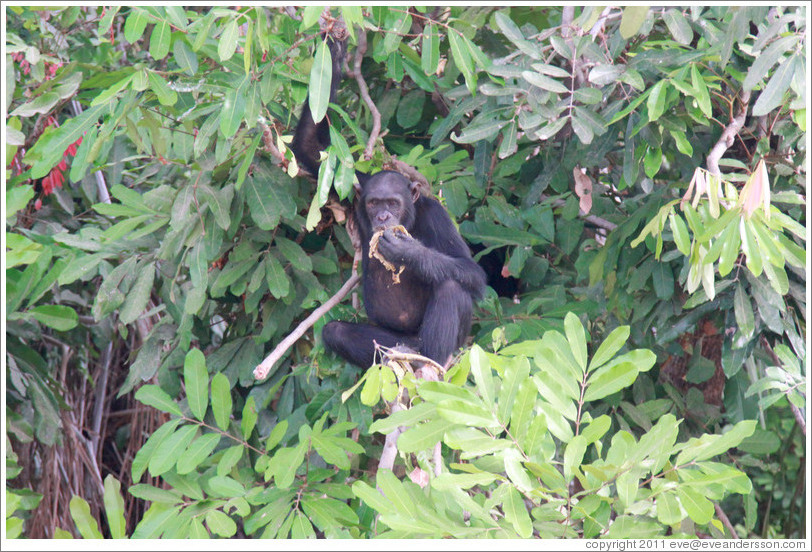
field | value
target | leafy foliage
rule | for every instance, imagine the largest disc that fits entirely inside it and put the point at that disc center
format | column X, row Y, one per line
column 639, row 171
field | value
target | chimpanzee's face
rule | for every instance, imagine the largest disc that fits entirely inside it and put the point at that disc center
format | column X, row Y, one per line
column 387, row 199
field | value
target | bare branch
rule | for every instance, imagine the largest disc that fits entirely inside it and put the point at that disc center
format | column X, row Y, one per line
column 725, row 520
column 261, row 371
column 268, row 145
column 390, row 447
column 728, row 135
column 411, row 173
column 364, row 90
column 104, row 195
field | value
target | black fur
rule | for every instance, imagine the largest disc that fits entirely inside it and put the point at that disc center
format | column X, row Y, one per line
column 430, row 309
column 311, row 138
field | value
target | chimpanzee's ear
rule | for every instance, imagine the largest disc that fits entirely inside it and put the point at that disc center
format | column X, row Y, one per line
column 361, row 182
column 414, row 187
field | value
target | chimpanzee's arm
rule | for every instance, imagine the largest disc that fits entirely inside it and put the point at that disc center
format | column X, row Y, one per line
column 436, row 253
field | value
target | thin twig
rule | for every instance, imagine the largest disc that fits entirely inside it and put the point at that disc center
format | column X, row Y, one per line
column 725, row 520
column 390, row 447
column 592, row 219
column 101, row 185
column 99, row 399
column 364, row 90
column 261, row 371
column 269, row 146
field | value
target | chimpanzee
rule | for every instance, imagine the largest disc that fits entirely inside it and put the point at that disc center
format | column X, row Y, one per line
column 430, row 309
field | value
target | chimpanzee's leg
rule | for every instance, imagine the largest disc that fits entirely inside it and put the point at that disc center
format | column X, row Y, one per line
column 446, row 322
column 356, row 342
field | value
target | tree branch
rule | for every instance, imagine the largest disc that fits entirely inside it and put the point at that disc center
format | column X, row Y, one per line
column 364, row 90
column 725, row 520
column 728, row 135
column 412, row 174
column 268, row 146
column 262, row 370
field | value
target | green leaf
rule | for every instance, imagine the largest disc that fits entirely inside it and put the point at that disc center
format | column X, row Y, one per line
column 136, row 302
column 395, row 491
column 750, row 248
column 699, row 508
column 249, row 418
column 610, row 346
column 246, row 55
column 410, row 108
column 430, row 50
column 773, row 94
column 656, row 99
column 229, row 459
column 462, row 58
column 516, row 471
column 196, row 382
column 708, row 446
column 135, row 24
column 618, row 374
column 154, row 396
column 663, row 278
column 301, row 527
column 422, row 436
column 576, row 339
column 109, row 93
column 509, row 136
column 226, row 487
column 683, row 144
column 652, row 161
column 450, row 481
column 185, row 57
column 680, row 233
column 768, row 57
column 159, row 40
column 278, row 281
column 761, row 442
column 632, row 19
column 145, row 453
column 114, row 508
column 267, row 200
column 166, row 95
column 465, row 413
column 483, row 130
column 286, row 461
column 41, row 104
column 321, row 76
column 17, row 198
column 743, row 310
column 221, row 524
column 170, row 450
column 84, row 520
column 221, row 400
column 198, row 451
column 51, row 146
column 574, row 456
column 544, row 82
column 481, row 370
column 702, row 95
column 678, row 26
column 516, row 513
column 59, row 317
column 668, row 510
column 227, row 44
column 515, row 374
column 232, row 114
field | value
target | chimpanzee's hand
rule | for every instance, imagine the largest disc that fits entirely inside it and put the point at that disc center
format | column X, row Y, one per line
column 397, row 247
